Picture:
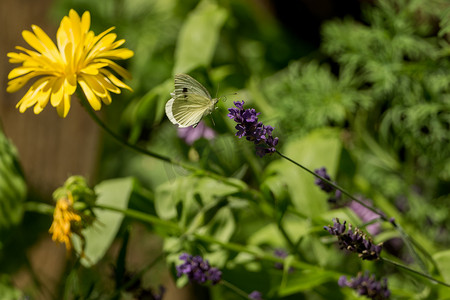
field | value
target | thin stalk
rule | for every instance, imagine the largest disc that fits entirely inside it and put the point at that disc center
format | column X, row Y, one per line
column 39, row 207
column 382, row 216
column 142, row 217
column 415, row 271
column 234, row 288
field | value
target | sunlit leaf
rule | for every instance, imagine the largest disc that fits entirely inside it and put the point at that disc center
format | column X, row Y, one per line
column 198, row 36
column 98, row 238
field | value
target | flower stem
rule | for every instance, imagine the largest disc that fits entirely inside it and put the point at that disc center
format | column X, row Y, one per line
column 382, row 216
column 143, row 217
column 138, row 149
column 234, row 288
column 414, row 271
column 39, row 207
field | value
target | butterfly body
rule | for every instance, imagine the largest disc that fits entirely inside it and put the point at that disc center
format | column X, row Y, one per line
column 190, row 102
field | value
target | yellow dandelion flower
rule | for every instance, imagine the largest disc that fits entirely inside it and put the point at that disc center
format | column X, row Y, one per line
column 65, row 218
column 80, row 57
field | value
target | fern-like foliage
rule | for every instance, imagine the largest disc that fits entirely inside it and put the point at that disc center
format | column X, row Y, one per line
column 389, row 88
column 402, row 59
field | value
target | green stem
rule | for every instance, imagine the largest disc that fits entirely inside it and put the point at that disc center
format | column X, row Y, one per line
column 39, row 207
column 414, row 271
column 138, row 149
column 382, row 216
column 143, row 217
column 234, row 288
column 292, row 246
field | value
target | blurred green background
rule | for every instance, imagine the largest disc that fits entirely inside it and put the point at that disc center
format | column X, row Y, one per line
column 360, row 87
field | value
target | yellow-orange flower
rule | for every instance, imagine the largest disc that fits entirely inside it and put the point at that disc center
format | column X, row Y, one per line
column 80, row 57
column 65, row 218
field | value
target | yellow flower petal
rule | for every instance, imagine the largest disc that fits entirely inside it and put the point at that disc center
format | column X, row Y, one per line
column 16, row 58
column 104, row 81
column 92, row 69
column 90, row 95
column 30, row 98
column 77, row 57
column 94, row 84
column 85, row 22
column 100, row 36
column 33, row 41
column 115, row 80
column 117, row 54
column 19, row 71
column 64, row 106
column 57, row 92
column 107, row 99
column 116, row 68
column 117, row 44
column 46, row 42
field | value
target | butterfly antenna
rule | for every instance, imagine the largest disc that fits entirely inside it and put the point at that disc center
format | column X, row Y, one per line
column 224, row 97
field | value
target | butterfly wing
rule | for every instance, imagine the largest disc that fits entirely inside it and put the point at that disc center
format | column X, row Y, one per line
column 185, row 84
column 188, row 109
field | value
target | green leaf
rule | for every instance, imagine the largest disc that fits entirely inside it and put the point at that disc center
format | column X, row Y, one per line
column 442, row 260
column 304, row 281
column 98, row 237
column 320, row 148
column 177, row 199
column 12, row 185
column 198, row 36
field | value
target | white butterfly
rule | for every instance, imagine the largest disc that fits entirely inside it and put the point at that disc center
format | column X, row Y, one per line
column 189, row 103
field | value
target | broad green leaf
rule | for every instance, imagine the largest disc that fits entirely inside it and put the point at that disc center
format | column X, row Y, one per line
column 271, row 235
column 181, row 194
column 304, row 281
column 443, row 263
column 222, row 226
column 98, row 237
column 198, row 36
column 12, row 185
column 321, row 148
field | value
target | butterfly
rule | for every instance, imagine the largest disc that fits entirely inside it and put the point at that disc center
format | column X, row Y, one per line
column 189, row 103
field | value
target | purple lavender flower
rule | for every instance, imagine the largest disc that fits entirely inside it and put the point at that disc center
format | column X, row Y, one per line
column 253, row 130
column 255, row 295
column 191, row 134
column 326, row 187
column 198, row 270
column 355, row 241
column 366, row 215
column 367, row 286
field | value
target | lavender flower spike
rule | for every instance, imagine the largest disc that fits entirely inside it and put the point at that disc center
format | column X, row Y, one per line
column 253, row 130
column 355, row 241
column 367, row 286
column 198, row 270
